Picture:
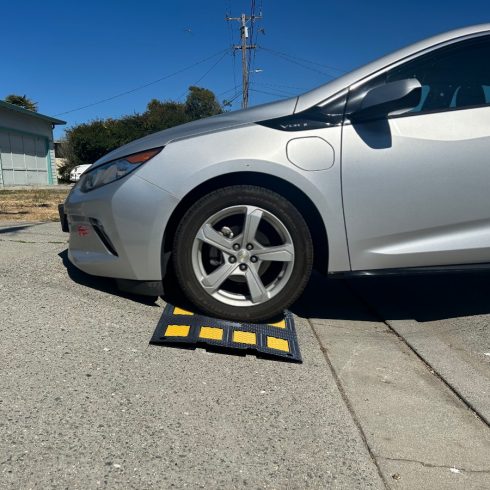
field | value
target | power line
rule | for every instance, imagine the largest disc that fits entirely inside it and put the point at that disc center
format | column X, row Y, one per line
column 207, row 72
column 283, row 96
column 212, row 68
column 140, row 87
column 299, row 58
column 237, row 94
column 281, row 91
column 280, row 85
column 295, row 62
column 300, row 61
column 233, row 89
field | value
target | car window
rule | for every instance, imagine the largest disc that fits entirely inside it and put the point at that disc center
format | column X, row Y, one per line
column 453, row 77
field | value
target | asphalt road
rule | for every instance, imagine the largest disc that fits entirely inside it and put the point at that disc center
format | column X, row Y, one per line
column 86, row 402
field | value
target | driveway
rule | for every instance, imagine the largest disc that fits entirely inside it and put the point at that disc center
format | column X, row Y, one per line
column 87, row 403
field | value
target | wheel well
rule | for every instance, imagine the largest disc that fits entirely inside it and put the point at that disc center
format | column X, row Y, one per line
column 297, row 197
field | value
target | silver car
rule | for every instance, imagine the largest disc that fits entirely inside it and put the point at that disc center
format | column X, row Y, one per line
column 382, row 170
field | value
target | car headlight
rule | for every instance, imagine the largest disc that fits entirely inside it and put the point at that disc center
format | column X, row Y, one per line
column 115, row 170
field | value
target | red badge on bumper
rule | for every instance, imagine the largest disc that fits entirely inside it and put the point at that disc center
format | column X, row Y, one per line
column 83, row 230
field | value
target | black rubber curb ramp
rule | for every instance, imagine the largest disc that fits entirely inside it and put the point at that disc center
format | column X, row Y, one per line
column 185, row 328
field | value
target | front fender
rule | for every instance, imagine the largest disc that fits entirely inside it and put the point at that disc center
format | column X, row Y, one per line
column 184, row 165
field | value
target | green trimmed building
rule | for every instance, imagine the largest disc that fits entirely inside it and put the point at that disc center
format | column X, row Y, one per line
column 26, row 147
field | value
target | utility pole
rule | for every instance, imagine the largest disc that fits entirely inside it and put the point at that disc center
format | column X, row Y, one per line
column 243, row 46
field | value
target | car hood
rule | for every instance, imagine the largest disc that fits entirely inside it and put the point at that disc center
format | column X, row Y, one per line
column 208, row 125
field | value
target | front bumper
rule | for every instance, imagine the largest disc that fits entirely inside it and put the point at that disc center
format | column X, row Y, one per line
column 117, row 230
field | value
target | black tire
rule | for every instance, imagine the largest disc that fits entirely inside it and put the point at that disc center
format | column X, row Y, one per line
column 214, row 202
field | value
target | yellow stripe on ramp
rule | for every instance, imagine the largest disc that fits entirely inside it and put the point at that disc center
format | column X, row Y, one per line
column 281, row 324
column 242, row 337
column 211, row 333
column 278, row 344
column 180, row 311
column 177, row 331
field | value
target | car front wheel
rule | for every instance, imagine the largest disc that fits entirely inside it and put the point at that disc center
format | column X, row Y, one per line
column 243, row 253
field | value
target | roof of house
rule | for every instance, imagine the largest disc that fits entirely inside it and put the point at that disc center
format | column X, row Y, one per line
column 16, row 108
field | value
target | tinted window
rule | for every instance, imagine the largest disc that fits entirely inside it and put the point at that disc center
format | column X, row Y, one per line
column 453, row 77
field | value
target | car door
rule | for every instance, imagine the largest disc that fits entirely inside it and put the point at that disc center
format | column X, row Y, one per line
column 416, row 186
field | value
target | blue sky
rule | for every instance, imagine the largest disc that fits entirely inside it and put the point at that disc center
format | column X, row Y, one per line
column 68, row 54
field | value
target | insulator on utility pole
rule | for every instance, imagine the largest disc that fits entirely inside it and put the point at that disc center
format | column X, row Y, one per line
column 243, row 46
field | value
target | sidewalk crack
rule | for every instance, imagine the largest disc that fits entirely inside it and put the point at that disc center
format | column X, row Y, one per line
column 431, row 465
column 428, row 366
column 349, row 406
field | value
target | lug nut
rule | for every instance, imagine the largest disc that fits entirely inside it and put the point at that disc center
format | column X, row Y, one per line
column 232, row 260
column 249, row 246
column 243, row 267
column 236, row 246
column 253, row 259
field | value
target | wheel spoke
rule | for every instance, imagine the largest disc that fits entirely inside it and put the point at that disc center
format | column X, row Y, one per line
column 252, row 220
column 213, row 281
column 258, row 293
column 234, row 270
column 210, row 236
column 281, row 253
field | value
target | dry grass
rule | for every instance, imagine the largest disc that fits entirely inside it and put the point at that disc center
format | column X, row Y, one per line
column 31, row 204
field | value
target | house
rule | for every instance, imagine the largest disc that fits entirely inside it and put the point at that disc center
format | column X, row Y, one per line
column 26, row 147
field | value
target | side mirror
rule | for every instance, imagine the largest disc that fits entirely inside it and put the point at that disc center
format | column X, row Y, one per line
column 385, row 99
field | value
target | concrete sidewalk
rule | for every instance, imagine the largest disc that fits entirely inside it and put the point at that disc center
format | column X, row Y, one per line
column 446, row 320
column 419, row 432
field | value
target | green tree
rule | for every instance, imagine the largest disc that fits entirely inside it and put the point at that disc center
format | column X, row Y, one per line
column 162, row 115
column 200, row 103
column 21, row 101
